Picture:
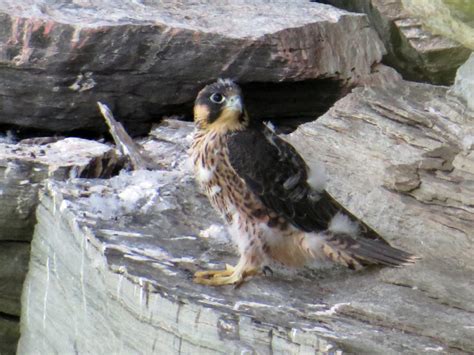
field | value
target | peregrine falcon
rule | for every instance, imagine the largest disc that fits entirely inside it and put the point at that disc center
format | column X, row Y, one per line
column 274, row 208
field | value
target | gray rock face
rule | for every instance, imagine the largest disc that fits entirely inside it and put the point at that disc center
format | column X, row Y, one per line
column 417, row 169
column 113, row 259
column 451, row 19
column 464, row 85
column 23, row 168
column 413, row 50
column 146, row 59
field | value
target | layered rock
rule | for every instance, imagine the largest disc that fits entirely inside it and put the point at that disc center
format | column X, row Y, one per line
column 146, row 59
column 116, row 262
column 452, row 19
column 113, row 258
column 23, row 168
column 415, row 51
column 25, row 165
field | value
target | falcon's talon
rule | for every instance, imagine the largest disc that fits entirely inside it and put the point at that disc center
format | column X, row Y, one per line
column 208, row 274
column 267, row 271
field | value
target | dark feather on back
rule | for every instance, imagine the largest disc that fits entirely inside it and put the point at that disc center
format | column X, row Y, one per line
column 275, row 171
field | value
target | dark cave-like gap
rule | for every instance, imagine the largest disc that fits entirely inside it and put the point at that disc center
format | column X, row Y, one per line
column 289, row 104
column 286, row 104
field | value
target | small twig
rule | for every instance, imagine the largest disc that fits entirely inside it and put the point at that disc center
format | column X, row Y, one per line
column 126, row 145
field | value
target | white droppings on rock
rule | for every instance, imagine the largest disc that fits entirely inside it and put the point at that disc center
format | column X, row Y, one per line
column 248, row 304
column 63, row 206
column 437, row 349
column 210, row 300
column 331, row 311
column 131, row 194
column 107, row 207
column 183, row 259
column 142, row 189
column 468, row 142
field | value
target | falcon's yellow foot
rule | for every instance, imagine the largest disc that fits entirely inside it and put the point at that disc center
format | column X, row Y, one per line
column 207, row 274
column 230, row 276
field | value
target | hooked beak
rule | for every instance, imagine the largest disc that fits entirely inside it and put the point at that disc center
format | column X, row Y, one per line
column 234, row 103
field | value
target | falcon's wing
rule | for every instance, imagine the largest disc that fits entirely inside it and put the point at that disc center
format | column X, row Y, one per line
column 275, row 171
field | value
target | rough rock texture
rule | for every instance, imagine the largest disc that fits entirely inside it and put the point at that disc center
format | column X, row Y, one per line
column 113, row 259
column 414, row 51
column 452, row 19
column 23, row 167
column 464, row 85
column 58, row 58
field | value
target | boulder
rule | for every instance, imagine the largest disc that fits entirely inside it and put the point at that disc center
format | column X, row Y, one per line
column 147, row 59
column 25, row 165
column 415, row 51
column 23, row 168
column 452, row 19
column 113, row 259
column 463, row 87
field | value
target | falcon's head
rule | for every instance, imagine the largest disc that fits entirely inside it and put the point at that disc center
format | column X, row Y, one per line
column 219, row 107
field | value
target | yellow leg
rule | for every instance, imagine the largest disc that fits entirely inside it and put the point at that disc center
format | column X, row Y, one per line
column 230, row 276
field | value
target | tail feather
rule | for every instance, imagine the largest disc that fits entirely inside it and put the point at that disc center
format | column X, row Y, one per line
column 332, row 232
column 383, row 253
column 363, row 251
column 351, row 242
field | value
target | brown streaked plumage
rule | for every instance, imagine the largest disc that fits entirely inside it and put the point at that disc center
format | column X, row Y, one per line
column 275, row 210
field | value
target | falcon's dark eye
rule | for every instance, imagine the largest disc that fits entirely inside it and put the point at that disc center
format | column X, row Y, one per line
column 217, row 98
